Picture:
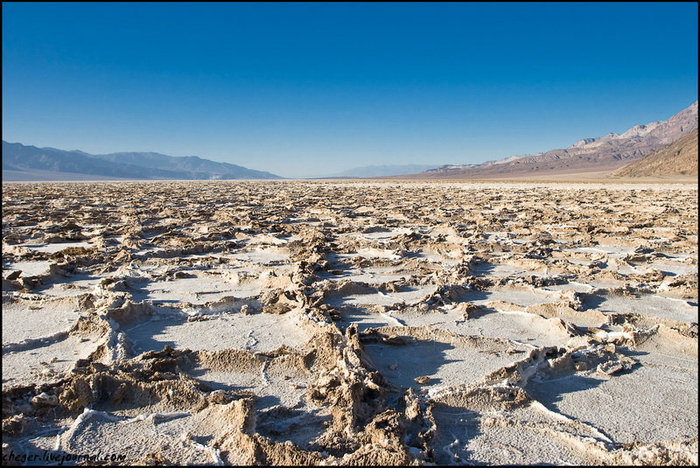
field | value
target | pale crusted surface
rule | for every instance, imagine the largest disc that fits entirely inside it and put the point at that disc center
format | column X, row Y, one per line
column 351, row 323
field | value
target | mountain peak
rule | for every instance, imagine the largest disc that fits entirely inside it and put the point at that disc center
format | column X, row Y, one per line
column 597, row 154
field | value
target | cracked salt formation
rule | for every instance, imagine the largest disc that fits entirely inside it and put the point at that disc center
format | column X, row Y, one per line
column 28, row 319
column 651, row 305
column 258, row 332
column 405, row 354
column 667, row 362
column 517, row 326
column 465, row 436
column 29, row 268
column 40, row 356
column 301, row 323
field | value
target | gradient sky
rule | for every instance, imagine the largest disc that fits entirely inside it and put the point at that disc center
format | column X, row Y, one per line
column 313, row 89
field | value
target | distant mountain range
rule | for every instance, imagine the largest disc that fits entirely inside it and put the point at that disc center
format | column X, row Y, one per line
column 605, row 153
column 678, row 158
column 20, row 162
column 379, row 171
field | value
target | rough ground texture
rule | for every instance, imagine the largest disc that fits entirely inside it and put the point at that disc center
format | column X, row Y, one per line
column 351, row 323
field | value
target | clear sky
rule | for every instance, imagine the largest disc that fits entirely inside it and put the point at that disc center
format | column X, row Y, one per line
column 313, row 89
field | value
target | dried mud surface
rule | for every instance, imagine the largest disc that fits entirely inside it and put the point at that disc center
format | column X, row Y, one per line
column 356, row 323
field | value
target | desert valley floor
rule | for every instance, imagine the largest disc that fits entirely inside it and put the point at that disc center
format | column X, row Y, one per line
column 351, row 322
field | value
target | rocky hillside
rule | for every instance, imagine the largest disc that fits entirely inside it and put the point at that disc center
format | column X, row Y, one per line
column 678, row 158
column 605, row 153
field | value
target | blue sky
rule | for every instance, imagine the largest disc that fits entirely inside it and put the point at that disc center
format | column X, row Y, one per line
column 313, row 89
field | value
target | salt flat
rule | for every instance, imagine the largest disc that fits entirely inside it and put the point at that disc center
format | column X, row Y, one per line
column 338, row 322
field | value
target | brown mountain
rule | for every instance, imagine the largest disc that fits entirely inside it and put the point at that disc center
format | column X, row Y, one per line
column 678, row 158
column 605, row 153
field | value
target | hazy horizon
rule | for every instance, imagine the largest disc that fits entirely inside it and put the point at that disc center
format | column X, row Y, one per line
column 306, row 90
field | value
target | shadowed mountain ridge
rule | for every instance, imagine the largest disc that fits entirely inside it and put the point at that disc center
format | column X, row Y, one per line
column 20, row 159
